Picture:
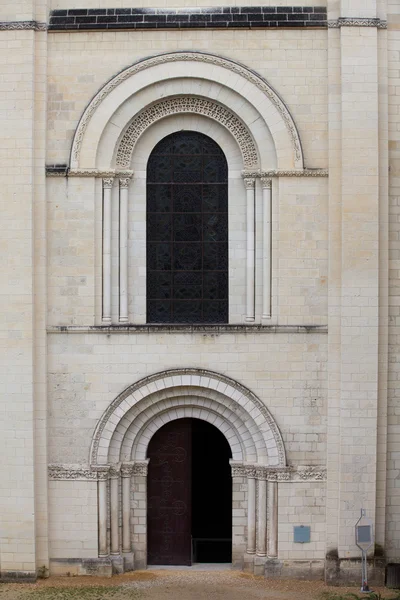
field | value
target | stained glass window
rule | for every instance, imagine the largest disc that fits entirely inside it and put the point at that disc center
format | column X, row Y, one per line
column 187, row 231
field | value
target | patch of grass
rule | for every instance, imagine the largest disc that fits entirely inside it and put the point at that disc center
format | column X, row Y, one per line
column 83, row 593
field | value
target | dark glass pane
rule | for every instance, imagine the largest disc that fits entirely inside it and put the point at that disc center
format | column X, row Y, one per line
column 159, row 198
column 188, row 311
column 190, row 143
column 215, row 228
column 159, row 256
column 215, row 257
column 187, row 198
column 215, row 285
column 210, row 147
column 159, row 168
column 187, row 228
column 187, row 257
column 165, row 146
column 215, row 198
column 159, row 226
column 159, row 311
column 187, row 231
column 215, row 169
column 215, row 311
column 159, row 284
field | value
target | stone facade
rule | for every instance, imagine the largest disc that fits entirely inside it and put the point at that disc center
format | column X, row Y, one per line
column 303, row 378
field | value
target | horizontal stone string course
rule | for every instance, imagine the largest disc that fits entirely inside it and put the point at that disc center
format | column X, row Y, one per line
column 161, row 18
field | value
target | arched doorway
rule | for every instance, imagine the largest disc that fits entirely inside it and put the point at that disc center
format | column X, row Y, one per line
column 188, row 457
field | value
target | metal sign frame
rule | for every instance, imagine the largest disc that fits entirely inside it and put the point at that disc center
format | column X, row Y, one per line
column 364, row 533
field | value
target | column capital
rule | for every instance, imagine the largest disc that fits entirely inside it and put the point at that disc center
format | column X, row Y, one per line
column 124, row 182
column 249, row 183
column 115, row 471
column 266, row 182
column 127, row 469
column 108, row 183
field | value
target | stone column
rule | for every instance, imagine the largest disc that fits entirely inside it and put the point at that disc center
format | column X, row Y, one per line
column 114, row 504
column 126, row 472
column 123, row 250
column 262, row 516
column 272, row 519
column 102, row 511
column 250, row 249
column 266, row 259
column 107, row 190
column 251, row 513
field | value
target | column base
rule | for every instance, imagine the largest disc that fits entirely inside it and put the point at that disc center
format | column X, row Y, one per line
column 259, row 565
column 106, row 320
column 250, row 319
column 123, row 320
column 117, row 563
column 129, row 561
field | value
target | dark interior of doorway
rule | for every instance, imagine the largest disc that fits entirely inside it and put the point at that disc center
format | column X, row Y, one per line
column 211, row 495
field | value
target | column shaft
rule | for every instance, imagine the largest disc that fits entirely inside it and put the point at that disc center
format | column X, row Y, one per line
column 267, row 193
column 114, row 515
column 123, row 250
column 102, row 499
column 250, row 249
column 107, row 189
column 273, row 519
column 126, row 513
column 251, row 515
column 262, row 518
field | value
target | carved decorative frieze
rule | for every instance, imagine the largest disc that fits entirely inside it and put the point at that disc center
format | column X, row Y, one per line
column 193, row 105
column 210, row 59
column 71, row 472
column 96, row 472
column 279, row 173
column 19, row 25
column 291, row 474
column 357, row 22
column 124, row 173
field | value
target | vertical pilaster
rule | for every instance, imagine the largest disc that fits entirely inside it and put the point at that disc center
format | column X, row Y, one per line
column 266, row 185
column 126, row 473
column 107, row 190
column 114, row 509
column 251, row 514
column 262, row 516
column 272, row 496
column 102, row 512
column 250, row 249
column 360, row 277
column 123, row 249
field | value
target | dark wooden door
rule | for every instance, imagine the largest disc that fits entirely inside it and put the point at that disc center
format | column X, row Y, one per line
column 169, row 495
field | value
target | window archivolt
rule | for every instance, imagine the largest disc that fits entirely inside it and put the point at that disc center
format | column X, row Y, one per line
column 193, row 105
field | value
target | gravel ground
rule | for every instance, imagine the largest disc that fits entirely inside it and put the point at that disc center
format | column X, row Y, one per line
column 172, row 585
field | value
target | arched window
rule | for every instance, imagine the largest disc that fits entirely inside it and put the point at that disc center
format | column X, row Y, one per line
column 187, row 231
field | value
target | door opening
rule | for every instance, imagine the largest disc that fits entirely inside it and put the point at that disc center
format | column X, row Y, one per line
column 189, row 495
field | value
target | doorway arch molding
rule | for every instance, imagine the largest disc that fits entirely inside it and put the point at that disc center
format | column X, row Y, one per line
column 234, row 76
column 255, row 416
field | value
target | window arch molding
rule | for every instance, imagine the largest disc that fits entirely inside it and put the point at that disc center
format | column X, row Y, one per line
column 236, row 79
